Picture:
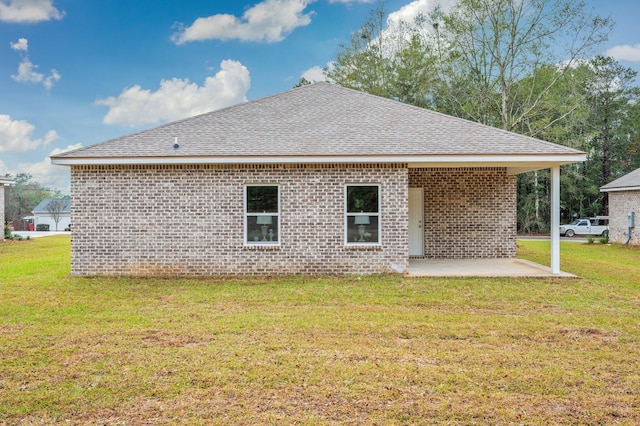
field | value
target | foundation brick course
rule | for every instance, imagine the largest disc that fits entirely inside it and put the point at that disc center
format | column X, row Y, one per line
column 166, row 220
column 620, row 204
column 469, row 213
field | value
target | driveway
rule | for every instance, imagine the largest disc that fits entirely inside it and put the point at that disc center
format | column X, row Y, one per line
column 548, row 238
column 38, row 234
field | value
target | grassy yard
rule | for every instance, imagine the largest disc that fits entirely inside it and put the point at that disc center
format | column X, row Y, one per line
column 320, row 350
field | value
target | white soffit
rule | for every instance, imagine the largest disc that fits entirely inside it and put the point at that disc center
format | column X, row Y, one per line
column 515, row 164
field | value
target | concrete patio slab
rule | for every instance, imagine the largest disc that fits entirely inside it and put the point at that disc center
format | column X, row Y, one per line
column 480, row 268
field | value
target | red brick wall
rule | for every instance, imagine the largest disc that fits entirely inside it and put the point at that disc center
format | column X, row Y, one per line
column 469, row 213
column 190, row 220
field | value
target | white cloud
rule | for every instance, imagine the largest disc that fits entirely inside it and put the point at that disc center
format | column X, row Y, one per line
column 47, row 174
column 410, row 11
column 27, row 70
column 27, row 74
column 394, row 35
column 625, row 52
column 22, row 44
column 314, row 74
column 15, row 136
column 50, row 79
column 351, row 1
column 269, row 21
column 28, row 11
column 176, row 98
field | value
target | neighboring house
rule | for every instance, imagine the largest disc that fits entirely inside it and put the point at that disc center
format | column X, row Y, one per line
column 43, row 215
column 3, row 181
column 624, row 201
column 318, row 179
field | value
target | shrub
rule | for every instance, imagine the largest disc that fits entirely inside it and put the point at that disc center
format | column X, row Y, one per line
column 7, row 232
column 604, row 240
column 590, row 240
column 42, row 227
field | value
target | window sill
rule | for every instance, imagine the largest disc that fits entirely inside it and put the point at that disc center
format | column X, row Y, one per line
column 262, row 247
column 364, row 247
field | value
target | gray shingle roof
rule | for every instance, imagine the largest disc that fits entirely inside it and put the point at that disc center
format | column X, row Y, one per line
column 630, row 180
column 42, row 206
column 319, row 120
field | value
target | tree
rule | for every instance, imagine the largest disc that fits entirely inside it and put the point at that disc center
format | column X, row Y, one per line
column 302, row 82
column 514, row 64
column 498, row 48
column 413, row 76
column 611, row 96
column 23, row 195
column 565, row 99
column 365, row 64
column 55, row 209
column 630, row 129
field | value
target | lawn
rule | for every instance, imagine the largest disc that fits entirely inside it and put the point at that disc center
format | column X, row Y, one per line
column 320, row 350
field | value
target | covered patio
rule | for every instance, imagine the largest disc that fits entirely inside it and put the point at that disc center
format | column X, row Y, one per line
column 519, row 268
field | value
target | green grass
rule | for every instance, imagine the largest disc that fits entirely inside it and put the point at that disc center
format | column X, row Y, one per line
column 320, row 350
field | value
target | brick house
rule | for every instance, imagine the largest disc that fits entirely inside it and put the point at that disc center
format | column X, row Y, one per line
column 318, row 179
column 624, row 198
column 43, row 214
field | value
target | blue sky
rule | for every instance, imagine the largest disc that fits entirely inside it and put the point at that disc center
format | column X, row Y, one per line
column 74, row 73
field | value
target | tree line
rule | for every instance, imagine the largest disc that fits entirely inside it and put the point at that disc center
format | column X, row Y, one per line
column 523, row 66
column 24, row 194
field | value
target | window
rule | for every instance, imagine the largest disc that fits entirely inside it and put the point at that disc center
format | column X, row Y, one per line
column 262, row 214
column 362, row 214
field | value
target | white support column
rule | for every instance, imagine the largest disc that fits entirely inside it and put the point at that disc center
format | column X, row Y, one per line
column 555, row 220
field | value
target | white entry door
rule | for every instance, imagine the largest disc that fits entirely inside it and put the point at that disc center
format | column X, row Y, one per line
column 416, row 216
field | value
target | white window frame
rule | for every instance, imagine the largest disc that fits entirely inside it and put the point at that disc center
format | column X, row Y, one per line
column 247, row 240
column 347, row 214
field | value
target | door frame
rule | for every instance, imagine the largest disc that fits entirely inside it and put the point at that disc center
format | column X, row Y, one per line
column 416, row 211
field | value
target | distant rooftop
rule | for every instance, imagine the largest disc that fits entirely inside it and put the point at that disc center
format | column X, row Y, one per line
column 628, row 182
column 42, row 206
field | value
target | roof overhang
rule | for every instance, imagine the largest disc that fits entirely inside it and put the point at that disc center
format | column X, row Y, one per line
column 6, row 181
column 515, row 164
column 624, row 188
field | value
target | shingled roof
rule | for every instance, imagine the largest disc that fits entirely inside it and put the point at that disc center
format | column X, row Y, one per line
column 42, row 207
column 628, row 182
column 321, row 122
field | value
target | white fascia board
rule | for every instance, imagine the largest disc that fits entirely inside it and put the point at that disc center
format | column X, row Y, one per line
column 624, row 188
column 523, row 161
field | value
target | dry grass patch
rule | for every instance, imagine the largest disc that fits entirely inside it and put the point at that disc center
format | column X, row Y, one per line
column 319, row 350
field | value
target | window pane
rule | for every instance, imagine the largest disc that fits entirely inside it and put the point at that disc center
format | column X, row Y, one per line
column 262, row 229
column 362, row 199
column 262, row 199
column 362, row 229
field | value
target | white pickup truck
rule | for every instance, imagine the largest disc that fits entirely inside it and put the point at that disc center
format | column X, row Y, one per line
column 589, row 226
